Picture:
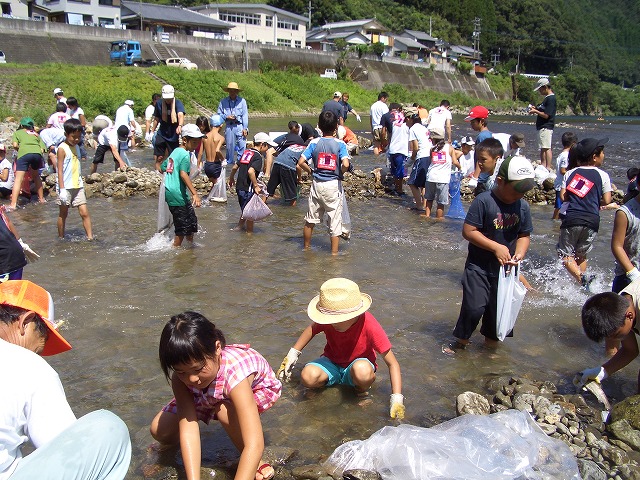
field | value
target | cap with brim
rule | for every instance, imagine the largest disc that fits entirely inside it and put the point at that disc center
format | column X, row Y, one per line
column 56, row 91
column 216, row 120
column 339, row 300
column 467, row 141
column 29, row 296
column 477, row 112
column 337, row 94
column 232, row 86
column 191, row 130
column 128, row 102
column 436, row 134
column 519, row 172
column 586, row 146
column 168, row 92
column 27, row 122
column 262, row 137
column 518, row 139
column 543, row 82
column 123, row 133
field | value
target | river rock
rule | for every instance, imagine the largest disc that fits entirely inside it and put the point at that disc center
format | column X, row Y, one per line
column 524, row 402
column 471, row 403
column 615, row 455
column 502, row 399
column 278, row 455
column 629, row 472
column 359, row 474
column 309, row 472
column 629, row 410
column 589, row 470
column 623, row 431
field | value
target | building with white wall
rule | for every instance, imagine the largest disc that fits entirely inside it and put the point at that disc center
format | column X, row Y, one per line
column 259, row 23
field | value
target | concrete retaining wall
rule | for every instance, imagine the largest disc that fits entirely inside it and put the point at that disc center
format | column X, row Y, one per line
column 26, row 41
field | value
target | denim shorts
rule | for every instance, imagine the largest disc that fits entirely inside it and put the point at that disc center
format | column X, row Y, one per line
column 397, row 164
column 337, row 375
column 33, row 160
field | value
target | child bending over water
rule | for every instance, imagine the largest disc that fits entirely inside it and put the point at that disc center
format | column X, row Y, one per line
column 211, row 380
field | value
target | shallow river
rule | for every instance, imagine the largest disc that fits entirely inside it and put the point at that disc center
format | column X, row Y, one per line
column 116, row 293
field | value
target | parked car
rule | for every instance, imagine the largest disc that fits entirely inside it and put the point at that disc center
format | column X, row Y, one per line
column 3, row 59
column 180, row 62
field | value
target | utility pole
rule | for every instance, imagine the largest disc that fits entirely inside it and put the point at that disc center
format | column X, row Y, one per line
column 309, row 27
column 495, row 58
column 518, row 64
column 476, row 37
column 430, row 26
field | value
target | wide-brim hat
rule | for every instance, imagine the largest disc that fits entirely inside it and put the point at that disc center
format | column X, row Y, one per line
column 340, row 300
column 29, row 296
column 232, row 86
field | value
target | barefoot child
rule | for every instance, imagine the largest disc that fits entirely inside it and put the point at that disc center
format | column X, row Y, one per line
column 498, row 226
column 177, row 181
column 214, row 381
column 354, row 337
column 211, row 147
column 70, row 184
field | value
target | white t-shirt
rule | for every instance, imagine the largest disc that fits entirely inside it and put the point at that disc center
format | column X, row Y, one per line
column 75, row 113
column 57, row 120
column 419, row 132
column 467, row 163
column 561, row 162
column 438, row 118
column 124, row 116
column 377, row 110
column 606, row 181
column 7, row 164
column 399, row 142
column 148, row 113
column 52, row 136
column 440, row 167
column 109, row 136
column 33, row 407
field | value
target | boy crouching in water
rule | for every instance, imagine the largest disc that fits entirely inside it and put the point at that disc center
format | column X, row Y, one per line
column 354, row 337
column 497, row 227
column 70, row 183
column 330, row 162
column 612, row 317
column 176, row 182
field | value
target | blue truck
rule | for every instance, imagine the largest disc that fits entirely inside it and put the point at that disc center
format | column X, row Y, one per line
column 126, row 52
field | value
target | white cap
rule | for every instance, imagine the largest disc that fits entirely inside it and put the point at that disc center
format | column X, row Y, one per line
column 337, row 94
column 262, row 137
column 191, row 130
column 57, row 91
column 467, row 141
column 129, row 102
column 518, row 169
column 543, row 82
column 168, row 92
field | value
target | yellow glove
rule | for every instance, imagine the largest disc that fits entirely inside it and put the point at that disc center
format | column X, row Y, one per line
column 284, row 372
column 396, row 406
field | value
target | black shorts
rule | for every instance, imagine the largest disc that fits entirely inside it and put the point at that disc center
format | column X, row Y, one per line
column 184, row 220
column 33, row 160
column 100, row 152
column 281, row 175
column 161, row 145
column 243, row 198
column 213, row 169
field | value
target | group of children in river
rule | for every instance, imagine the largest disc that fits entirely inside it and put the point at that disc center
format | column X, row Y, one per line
column 234, row 383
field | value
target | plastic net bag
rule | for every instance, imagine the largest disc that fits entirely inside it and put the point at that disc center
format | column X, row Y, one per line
column 256, row 210
column 219, row 190
column 505, row 445
column 165, row 220
column 511, row 294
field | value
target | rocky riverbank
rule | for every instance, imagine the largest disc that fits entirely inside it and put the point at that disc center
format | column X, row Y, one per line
column 603, row 451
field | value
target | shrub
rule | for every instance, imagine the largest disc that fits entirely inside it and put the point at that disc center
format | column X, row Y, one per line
column 266, row 66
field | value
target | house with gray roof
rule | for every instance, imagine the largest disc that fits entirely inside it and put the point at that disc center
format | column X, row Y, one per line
column 166, row 18
column 354, row 32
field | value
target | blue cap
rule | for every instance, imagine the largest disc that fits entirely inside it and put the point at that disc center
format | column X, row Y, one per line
column 216, row 120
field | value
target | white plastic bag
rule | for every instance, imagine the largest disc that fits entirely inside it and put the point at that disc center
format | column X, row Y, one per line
column 503, row 446
column 219, row 190
column 256, row 210
column 511, row 294
column 165, row 220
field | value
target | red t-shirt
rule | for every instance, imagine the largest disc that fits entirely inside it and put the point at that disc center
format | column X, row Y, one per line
column 364, row 339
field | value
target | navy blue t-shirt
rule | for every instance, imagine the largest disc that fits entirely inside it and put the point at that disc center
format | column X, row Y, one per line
column 167, row 130
column 500, row 222
column 547, row 106
column 583, row 192
column 11, row 253
column 250, row 158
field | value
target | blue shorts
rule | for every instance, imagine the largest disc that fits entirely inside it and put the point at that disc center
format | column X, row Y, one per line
column 213, row 169
column 33, row 160
column 397, row 164
column 337, row 375
column 558, row 203
column 418, row 176
column 243, row 198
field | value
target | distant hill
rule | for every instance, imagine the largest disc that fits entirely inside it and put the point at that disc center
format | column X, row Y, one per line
column 548, row 36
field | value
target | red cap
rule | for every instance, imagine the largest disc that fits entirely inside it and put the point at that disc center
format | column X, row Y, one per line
column 32, row 297
column 477, row 112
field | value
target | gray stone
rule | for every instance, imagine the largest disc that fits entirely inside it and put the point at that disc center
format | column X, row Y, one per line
column 132, row 184
column 621, row 445
column 278, row 455
column 573, row 430
column 552, row 419
column 358, row 474
column 523, row 402
column 527, row 388
column 629, row 472
column 471, row 403
column 590, row 471
column 502, row 399
column 615, row 455
column 623, row 431
column 309, row 472
column 120, row 178
column 562, row 428
column 546, row 428
column 629, row 410
column 591, row 439
column 508, row 390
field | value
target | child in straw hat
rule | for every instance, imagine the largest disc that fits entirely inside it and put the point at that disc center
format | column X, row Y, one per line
column 354, row 337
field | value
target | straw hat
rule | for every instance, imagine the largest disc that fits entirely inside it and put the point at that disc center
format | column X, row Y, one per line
column 232, row 86
column 339, row 300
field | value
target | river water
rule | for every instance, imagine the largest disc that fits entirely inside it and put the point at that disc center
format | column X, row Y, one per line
column 116, row 293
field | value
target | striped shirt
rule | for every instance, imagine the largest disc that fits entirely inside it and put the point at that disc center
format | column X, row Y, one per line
column 71, row 175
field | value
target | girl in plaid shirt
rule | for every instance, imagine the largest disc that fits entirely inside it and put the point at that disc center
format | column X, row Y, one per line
column 211, row 380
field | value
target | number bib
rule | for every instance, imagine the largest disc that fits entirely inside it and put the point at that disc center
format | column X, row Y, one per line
column 327, row 161
column 439, row 158
column 246, row 157
column 580, row 186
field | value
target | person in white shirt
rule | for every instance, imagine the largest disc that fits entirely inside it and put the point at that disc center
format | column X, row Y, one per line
column 6, row 173
column 440, row 119
column 57, row 119
column 148, row 118
column 125, row 116
column 34, row 407
column 420, row 146
column 378, row 109
column 465, row 156
column 58, row 94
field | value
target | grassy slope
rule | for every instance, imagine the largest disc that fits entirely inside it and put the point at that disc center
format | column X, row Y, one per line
column 101, row 90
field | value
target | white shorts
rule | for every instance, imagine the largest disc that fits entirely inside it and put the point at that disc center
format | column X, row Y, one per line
column 77, row 197
column 544, row 138
column 326, row 198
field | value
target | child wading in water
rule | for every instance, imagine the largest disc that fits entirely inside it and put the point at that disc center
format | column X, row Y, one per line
column 211, row 380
